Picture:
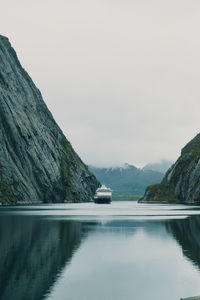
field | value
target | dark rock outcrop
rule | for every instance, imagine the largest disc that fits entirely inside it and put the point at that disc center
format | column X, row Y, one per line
column 181, row 183
column 37, row 162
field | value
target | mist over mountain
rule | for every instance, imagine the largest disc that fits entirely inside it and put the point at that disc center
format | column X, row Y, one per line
column 127, row 179
column 161, row 166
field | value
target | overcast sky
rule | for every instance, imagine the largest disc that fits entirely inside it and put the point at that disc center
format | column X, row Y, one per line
column 121, row 77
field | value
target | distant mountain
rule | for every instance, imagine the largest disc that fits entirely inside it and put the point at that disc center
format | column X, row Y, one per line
column 161, row 166
column 127, row 179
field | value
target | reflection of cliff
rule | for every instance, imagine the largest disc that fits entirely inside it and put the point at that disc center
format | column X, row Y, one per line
column 186, row 232
column 33, row 253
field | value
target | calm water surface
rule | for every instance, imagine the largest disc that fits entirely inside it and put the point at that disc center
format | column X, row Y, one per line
column 122, row 251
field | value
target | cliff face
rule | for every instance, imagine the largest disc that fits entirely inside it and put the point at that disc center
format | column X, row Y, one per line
column 181, row 183
column 37, row 162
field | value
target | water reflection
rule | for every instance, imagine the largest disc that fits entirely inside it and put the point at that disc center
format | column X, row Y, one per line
column 88, row 252
column 129, row 259
column 33, row 253
column 187, row 233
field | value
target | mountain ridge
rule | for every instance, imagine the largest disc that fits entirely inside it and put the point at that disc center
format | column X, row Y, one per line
column 181, row 183
column 37, row 162
column 161, row 166
column 126, row 180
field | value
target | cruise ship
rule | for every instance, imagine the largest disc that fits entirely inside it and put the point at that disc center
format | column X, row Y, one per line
column 103, row 195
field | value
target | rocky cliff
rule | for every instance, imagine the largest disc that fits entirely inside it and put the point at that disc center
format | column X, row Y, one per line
column 181, row 183
column 37, row 162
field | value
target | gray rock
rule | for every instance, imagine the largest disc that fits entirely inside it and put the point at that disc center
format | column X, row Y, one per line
column 181, row 183
column 37, row 162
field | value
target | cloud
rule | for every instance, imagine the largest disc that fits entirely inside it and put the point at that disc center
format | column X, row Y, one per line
column 120, row 77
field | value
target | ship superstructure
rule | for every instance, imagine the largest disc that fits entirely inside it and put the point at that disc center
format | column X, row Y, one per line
column 103, row 195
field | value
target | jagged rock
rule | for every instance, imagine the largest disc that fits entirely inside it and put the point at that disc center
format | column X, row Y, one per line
column 181, row 183
column 37, row 162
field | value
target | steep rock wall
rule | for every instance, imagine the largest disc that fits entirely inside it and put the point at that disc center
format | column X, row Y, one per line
column 181, row 182
column 37, row 162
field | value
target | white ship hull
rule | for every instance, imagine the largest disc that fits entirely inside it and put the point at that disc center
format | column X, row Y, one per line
column 103, row 195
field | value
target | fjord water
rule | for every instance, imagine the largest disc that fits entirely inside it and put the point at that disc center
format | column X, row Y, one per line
column 120, row 251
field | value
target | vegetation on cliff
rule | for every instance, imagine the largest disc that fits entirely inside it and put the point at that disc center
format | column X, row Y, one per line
column 37, row 162
column 181, row 182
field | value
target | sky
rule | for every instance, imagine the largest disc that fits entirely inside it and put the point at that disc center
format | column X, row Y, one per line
column 121, row 78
